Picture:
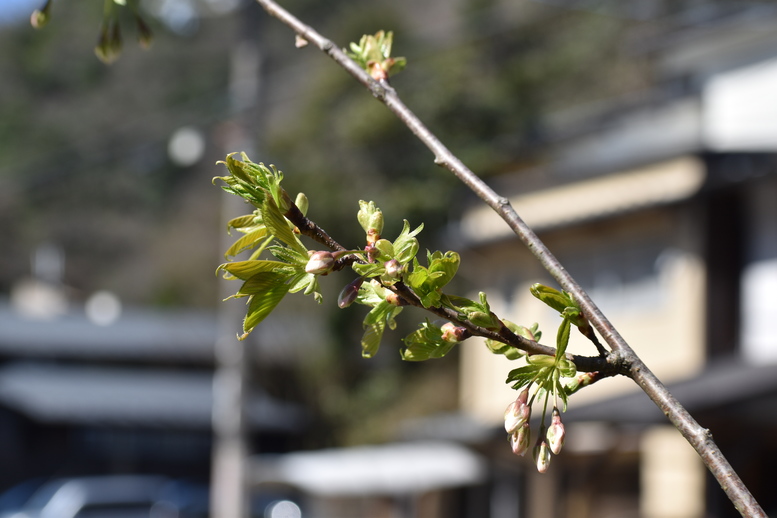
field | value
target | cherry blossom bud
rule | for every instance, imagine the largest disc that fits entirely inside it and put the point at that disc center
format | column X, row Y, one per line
column 393, row 298
column 519, row 439
column 453, row 333
column 320, row 262
column 517, row 413
column 393, row 269
column 349, row 293
column 556, row 432
column 541, row 452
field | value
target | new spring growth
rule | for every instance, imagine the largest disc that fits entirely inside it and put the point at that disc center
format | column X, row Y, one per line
column 371, row 220
column 556, row 432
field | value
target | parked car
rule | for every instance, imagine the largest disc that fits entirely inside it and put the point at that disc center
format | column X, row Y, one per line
column 114, row 496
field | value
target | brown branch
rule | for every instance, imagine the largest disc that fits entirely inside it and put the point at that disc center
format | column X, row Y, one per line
column 606, row 366
column 697, row 436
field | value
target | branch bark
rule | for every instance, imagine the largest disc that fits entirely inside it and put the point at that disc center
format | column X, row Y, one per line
column 620, row 352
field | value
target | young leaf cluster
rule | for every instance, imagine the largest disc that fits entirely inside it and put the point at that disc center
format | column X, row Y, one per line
column 373, row 54
column 265, row 281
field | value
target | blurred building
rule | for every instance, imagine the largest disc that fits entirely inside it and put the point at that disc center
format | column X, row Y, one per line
column 664, row 207
column 80, row 396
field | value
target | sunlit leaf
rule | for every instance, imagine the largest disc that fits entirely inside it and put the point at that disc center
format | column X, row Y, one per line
column 246, row 242
column 562, row 338
column 554, row 298
column 279, row 226
column 246, row 269
column 265, row 300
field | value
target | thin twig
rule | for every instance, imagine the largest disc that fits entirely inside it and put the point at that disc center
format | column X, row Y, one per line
column 622, row 353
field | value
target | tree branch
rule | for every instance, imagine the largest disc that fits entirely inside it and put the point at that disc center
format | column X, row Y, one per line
column 622, row 353
column 606, row 366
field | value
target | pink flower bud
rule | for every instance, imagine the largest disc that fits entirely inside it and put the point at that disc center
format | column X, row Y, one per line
column 393, row 268
column 541, row 452
column 516, row 414
column 320, row 262
column 556, row 433
column 349, row 293
column 519, row 439
column 453, row 333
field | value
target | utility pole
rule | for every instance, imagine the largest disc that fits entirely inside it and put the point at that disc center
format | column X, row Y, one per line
column 231, row 385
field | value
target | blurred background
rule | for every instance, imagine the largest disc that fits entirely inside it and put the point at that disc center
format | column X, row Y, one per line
column 638, row 138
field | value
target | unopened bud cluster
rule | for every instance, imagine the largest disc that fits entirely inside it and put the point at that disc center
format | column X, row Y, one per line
column 549, row 441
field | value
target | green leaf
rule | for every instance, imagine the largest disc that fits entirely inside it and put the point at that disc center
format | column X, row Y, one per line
column 443, row 267
column 246, row 269
column 246, row 242
column 541, row 360
column 523, row 376
column 279, row 226
column 271, row 288
column 425, row 343
column 386, row 249
column 554, row 298
column 289, row 255
column 406, row 245
column 375, row 323
column 567, row 368
column 562, row 338
column 510, row 352
column 239, row 169
column 249, row 220
column 368, row 270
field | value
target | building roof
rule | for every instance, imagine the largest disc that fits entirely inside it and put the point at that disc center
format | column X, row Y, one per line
column 595, row 198
column 138, row 334
column 721, row 386
column 394, row 469
column 98, row 395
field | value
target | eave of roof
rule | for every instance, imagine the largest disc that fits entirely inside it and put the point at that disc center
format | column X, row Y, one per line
column 659, row 184
column 157, row 398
